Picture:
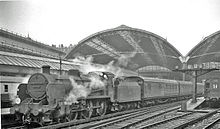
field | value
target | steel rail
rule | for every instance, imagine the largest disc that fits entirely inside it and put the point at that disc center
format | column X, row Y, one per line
column 164, row 121
column 108, row 116
column 110, row 122
column 210, row 125
column 186, row 124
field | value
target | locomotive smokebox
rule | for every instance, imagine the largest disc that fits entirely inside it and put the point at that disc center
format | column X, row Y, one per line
column 46, row 69
column 74, row 72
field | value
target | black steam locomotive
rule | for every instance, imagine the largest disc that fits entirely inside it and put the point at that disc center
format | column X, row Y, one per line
column 59, row 98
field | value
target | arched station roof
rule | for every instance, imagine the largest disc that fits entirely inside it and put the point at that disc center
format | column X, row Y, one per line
column 140, row 48
column 208, row 50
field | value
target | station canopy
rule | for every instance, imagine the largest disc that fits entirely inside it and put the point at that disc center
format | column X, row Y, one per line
column 135, row 48
column 206, row 52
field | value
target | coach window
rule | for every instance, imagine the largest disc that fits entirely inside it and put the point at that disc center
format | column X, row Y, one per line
column 6, row 88
column 215, row 86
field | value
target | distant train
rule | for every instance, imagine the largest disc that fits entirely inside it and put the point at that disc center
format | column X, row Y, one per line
column 59, row 98
column 212, row 92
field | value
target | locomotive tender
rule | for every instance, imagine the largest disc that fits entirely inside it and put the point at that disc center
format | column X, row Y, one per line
column 48, row 97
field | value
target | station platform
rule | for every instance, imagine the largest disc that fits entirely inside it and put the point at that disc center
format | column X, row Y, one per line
column 192, row 106
column 189, row 106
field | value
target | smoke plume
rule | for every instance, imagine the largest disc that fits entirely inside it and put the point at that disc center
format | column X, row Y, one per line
column 77, row 91
column 125, row 59
column 83, row 90
column 87, row 66
column 96, row 82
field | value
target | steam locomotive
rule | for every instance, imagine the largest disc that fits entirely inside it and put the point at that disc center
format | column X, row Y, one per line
column 58, row 98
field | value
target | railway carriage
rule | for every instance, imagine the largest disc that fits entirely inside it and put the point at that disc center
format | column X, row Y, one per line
column 212, row 92
column 163, row 90
column 9, row 86
column 160, row 87
column 212, row 89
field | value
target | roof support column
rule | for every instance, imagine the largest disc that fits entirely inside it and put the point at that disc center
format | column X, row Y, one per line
column 194, row 100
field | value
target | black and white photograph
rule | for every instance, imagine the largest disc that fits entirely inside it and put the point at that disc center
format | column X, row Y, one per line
column 110, row 64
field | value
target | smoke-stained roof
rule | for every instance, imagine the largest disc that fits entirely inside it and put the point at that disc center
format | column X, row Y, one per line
column 208, row 50
column 135, row 47
column 12, row 59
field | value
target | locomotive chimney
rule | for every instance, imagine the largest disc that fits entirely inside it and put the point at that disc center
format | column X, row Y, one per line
column 74, row 72
column 46, row 69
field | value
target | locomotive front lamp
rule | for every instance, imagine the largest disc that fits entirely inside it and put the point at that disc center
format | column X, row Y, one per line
column 17, row 100
column 177, row 67
column 105, row 76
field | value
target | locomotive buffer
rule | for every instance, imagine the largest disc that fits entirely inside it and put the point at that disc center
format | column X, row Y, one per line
column 195, row 72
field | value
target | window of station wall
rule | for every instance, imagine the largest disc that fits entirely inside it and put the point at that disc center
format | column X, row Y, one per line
column 6, row 88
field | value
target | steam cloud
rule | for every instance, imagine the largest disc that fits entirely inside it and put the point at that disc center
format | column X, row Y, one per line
column 124, row 59
column 77, row 92
column 88, row 66
column 83, row 90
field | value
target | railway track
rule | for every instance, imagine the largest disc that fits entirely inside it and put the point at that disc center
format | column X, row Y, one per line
column 187, row 120
column 209, row 122
column 84, row 121
column 112, row 118
column 154, row 117
column 113, row 122
column 166, row 118
column 127, row 122
column 213, row 125
column 172, row 122
column 12, row 125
